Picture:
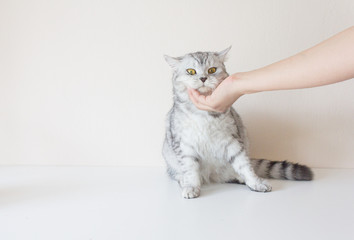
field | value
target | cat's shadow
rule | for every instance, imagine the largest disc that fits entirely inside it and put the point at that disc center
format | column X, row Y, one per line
column 212, row 189
column 218, row 188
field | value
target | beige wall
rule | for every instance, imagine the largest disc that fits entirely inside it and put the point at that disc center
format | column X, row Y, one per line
column 85, row 83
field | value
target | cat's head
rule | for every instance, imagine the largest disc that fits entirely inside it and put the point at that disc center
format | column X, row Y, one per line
column 202, row 71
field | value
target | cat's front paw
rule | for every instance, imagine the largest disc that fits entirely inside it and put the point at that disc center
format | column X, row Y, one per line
column 190, row 192
column 260, row 186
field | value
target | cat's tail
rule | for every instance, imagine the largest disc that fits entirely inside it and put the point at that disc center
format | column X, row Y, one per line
column 281, row 170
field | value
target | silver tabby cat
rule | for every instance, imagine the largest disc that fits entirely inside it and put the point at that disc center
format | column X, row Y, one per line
column 201, row 146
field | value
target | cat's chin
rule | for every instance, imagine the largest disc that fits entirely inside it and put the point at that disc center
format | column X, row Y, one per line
column 205, row 90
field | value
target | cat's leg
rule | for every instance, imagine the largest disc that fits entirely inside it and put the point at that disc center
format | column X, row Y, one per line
column 189, row 179
column 242, row 165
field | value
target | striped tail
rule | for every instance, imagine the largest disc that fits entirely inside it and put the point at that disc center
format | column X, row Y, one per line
column 281, row 170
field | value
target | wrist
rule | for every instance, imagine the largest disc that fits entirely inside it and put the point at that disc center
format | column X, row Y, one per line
column 241, row 83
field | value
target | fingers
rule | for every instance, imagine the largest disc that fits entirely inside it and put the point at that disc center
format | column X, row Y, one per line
column 200, row 101
column 197, row 100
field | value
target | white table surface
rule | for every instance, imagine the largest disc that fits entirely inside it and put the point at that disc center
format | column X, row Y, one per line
column 143, row 203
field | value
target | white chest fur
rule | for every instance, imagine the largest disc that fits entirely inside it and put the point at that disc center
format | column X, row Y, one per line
column 209, row 135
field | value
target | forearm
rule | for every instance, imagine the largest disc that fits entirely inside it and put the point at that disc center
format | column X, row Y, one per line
column 328, row 62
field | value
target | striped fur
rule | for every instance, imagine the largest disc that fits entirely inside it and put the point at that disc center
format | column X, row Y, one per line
column 281, row 170
column 202, row 147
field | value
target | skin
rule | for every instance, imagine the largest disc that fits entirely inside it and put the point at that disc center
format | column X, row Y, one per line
column 330, row 61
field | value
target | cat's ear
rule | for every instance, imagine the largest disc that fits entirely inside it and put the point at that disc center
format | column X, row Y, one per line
column 172, row 61
column 222, row 54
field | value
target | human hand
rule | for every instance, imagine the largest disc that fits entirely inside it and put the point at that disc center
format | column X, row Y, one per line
column 303, row 70
column 221, row 98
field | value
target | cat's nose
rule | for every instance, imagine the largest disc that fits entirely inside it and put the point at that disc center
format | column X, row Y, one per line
column 203, row 79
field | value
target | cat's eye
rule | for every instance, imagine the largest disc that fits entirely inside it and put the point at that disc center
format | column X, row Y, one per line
column 191, row 71
column 212, row 70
